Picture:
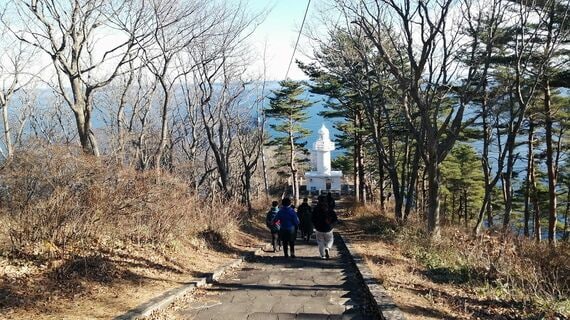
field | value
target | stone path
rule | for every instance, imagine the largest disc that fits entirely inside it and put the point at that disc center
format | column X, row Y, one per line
column 272, row 287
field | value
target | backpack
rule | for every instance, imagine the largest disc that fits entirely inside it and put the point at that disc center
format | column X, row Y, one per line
column 270, row 220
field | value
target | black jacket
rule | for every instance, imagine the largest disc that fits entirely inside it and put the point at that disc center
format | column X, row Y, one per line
column 305, row 213
column 324, row 219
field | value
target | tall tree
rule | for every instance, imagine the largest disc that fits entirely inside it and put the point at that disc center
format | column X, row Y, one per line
column 14, row 76
column 554, row 31
column 67, row 32
column 426, row 40
column 290, row 111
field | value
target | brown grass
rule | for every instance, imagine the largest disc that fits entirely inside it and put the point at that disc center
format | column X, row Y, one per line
column 80, row 237
column 492, row 276
column 62, row 201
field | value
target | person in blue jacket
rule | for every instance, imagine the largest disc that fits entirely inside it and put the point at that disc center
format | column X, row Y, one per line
column 289, row 224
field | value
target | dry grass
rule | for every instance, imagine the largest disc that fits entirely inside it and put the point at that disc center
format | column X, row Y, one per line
column 61, row 201
column 462, row 277
column 82, row 238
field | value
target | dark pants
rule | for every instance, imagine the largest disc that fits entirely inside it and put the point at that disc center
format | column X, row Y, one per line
column 306, row 234
column 288, row 239
column 275, row 240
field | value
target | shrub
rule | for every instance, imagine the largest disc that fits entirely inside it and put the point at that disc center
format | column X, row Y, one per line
column 510, row 267
column 60, row 199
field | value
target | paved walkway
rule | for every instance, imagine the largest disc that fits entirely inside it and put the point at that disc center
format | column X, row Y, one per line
column 272, row 287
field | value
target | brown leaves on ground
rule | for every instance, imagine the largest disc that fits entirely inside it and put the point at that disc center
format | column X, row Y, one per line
column 101, row 285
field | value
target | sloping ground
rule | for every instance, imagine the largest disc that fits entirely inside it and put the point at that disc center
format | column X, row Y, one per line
column 423, row 293
column 105, row 283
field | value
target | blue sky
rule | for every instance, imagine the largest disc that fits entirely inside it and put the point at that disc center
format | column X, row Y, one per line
column 280, row 30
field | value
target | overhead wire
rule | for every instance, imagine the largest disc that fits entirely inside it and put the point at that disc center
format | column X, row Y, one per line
column 298, row 37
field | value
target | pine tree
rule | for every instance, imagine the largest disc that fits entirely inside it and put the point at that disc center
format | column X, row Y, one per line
column 361, row 92
column 290, row 111
column 463, row 182
column 341, row 104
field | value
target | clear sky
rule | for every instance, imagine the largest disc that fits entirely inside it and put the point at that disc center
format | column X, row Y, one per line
column 279, row 31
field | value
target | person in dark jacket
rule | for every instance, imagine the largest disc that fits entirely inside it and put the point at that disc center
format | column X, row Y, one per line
column 274, row 225
column 330, row 201
column 305, row 215
column 289, row 224
column 324, row 218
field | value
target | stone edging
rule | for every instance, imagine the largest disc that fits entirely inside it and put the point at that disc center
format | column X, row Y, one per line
column 386, row 306
column 162, row 301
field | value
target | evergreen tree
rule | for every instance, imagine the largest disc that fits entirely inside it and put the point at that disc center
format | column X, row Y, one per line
column 334, row 78
column 290, row 112
column 463, row 183
column 360, row 91
column 565, row 184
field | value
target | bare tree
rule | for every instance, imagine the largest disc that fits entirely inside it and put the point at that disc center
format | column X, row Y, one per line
column 177, row 25
column 420, row 53
column 220, row 63
column 15, row 74
column 69, row 33
column 250, row 135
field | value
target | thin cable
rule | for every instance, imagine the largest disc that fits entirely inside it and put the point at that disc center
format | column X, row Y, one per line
column 298, row 37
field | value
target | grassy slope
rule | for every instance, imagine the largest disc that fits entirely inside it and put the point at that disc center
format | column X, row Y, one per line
column 458, row 278
column 105, row 283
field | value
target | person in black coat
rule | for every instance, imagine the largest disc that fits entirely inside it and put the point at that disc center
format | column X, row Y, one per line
column 324, row 219
column 305, row 213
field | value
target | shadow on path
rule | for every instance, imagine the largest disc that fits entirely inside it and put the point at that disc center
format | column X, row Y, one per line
column 271, row 286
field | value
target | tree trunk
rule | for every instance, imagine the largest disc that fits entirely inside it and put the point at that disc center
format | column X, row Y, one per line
column 411, row 194
column 508, row 188
column 265, row 182
column 6, row 123
column 453, row 208
column 405, row 179
column 566, row 213
column 424, row 194
column 121, row 123
column 486, row 201
column 381, row 182
column 247, row 191
column 295, row 188
column 293, row 167
column 536, row 207
column 356, row 177
column 361, row 176
column 398, row 197
column 81, row 107
column 550, row 165
column 490, row 221
column 529, row 169
column 82, row 120
column 432, row 167
column 486, row 205
column 465, row 209
column 163, row 127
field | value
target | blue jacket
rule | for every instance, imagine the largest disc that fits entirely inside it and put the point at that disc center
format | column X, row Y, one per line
column 288, row 218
